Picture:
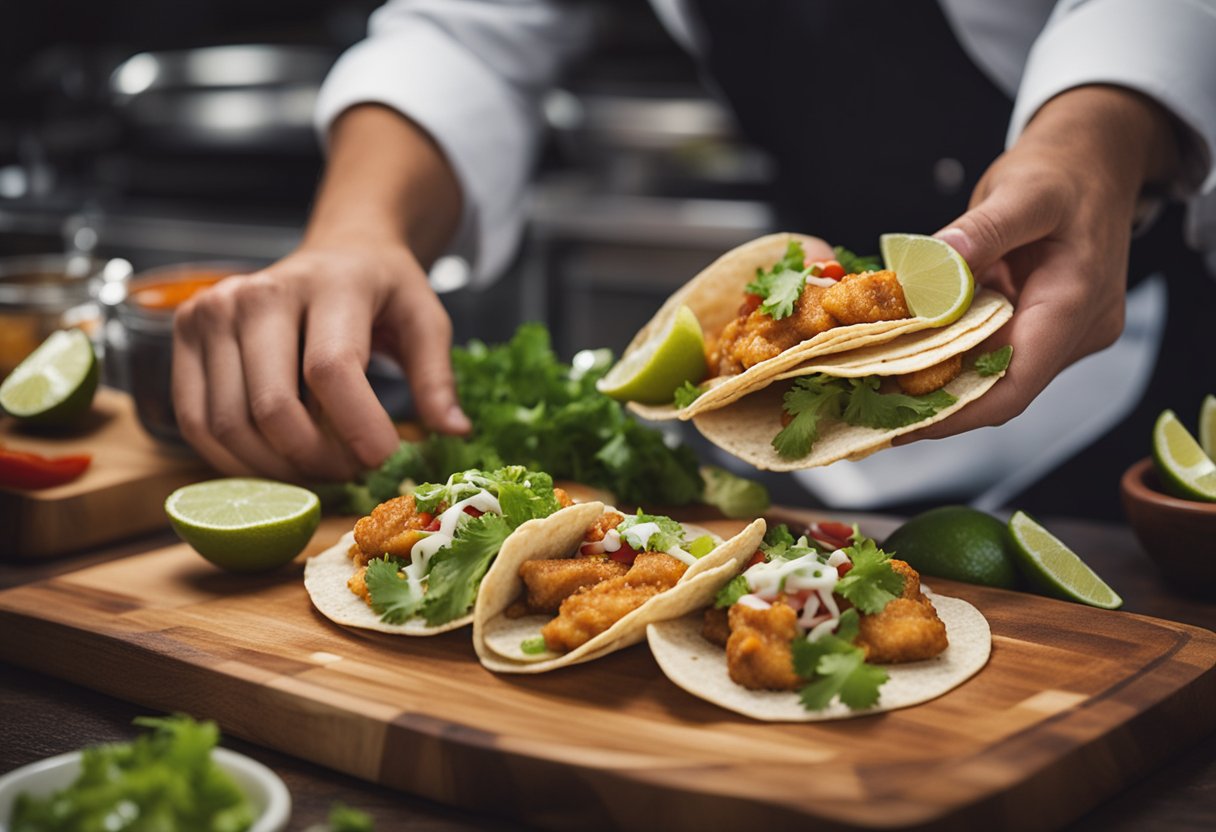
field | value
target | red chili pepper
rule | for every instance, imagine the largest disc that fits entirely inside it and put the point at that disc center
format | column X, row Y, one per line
column 625, row 554
column 20, row 469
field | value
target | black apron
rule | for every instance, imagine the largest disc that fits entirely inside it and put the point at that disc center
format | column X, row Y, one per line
column 877, row 121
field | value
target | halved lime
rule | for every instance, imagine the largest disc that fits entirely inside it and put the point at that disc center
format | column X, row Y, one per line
column 55, row 383
column 956, row 542
column 1207, row 426
column 1055, row 568
column 937, row 282
column 1186, row 471
column 652, row 373
column 244, row 525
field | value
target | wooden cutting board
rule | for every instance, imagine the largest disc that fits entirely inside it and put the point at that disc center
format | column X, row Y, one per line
column 1074, row 704
column 120, row 495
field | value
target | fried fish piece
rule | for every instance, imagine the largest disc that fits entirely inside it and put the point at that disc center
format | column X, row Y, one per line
column 931, row 378
column 715, row 627
column 549, row 582
column 811, row 316
column 392, row 528
column 865, row 298
column 907, row 630
column 586, row 614
column 758, row 653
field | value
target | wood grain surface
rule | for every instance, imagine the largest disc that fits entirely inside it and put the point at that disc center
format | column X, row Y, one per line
column 120, row 495
column 1074, row 704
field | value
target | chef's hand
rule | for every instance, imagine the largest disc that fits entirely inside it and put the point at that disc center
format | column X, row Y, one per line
column 241, row 347
column 1049, row 225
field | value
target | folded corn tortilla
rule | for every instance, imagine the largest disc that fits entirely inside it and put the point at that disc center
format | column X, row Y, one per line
column 714, row 296
column 497, row 639
column 699, row 667
column 326, row 574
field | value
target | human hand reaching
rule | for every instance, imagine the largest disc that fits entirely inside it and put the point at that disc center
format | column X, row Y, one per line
column 241, row 348
column 389, row 203
column 1049, row 226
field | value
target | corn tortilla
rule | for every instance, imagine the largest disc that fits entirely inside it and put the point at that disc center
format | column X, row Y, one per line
column 699, row 667
column 497, row 639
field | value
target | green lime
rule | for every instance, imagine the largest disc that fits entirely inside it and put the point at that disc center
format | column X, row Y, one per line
column 652, row 373
column 245, row 525
column 55, row 383
column 937, row 282
column 959, row 543
column 1207, row 426
column 1186, row 471
column 1055, row 568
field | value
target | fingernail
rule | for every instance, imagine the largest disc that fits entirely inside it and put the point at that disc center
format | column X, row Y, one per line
column 957, row 238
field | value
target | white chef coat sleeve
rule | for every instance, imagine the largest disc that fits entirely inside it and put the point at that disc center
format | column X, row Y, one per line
column 1165, row 49
column 473, row 74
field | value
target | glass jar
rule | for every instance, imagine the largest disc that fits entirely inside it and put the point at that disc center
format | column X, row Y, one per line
column 142, row 340
column 43, row 293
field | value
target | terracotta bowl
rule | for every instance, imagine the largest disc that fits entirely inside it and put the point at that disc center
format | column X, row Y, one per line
column 1179, row 535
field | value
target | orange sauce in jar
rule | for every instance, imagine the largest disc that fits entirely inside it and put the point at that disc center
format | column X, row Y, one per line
column 172, row 293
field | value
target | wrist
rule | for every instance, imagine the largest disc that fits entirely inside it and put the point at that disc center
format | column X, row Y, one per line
column 1123, row 137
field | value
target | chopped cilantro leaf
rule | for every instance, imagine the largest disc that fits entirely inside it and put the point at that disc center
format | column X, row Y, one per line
column 834, row 667
column 856, row 264
column 991, row 363
column 456, row 570
column 728, row 595
column 871, row 409
column 533, row 646
column 810, row 399
column 782, row 285
column 686, row 394
column 391, row 594
column 778, row 535
column 872, row 582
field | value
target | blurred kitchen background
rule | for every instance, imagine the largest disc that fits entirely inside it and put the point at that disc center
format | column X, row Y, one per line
column 160, row 133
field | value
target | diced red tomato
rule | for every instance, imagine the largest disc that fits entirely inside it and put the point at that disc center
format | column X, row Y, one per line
column 473, row 512
column 840, row 531
column 625, row 554
column 750, row 302
column 20, row 469
column 844, row 568
column 433, row 526
column 756, row 558
column 831, row 269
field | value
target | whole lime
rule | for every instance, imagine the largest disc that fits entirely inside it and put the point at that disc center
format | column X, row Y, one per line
column 957, row 542
column 245, row 525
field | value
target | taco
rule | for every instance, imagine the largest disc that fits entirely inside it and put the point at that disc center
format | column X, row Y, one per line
column 415, row 564
column 818, row 629
column 587, row 584
column 774, row 303
column 849, row 405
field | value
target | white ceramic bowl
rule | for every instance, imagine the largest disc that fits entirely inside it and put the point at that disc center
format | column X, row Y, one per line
column 269, row 795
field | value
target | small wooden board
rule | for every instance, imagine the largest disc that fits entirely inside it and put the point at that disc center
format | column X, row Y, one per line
column 120, row 495
column 1074, row 705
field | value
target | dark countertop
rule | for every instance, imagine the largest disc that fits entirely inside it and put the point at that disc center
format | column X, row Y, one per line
column 44, row 716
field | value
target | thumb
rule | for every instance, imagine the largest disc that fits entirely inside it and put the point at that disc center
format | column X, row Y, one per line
column 1006, row 219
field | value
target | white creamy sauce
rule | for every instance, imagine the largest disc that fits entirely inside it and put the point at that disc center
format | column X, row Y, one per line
column 824, row 282
column 425, row 549
column 638, row 537
column 611, row 543
column 821, row 614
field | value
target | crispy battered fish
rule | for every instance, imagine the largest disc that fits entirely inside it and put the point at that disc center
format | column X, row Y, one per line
column 931, row 378
column 907, row 630
column 758, row 654
column 866, row 298
column 756, row 336
column 548, row 582
column 588, row 613
column 391, row 529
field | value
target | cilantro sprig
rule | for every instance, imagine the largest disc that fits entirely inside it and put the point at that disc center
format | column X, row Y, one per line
column 837, row 667
column 855, row 263
column 782, row 285
column 855, row 401
column 997, row 361
column 872, row 582
column 686, row 394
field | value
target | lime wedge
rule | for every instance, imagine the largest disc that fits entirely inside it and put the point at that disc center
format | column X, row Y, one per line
column 652, row 373
column 936, row 280
column 1186, row 471
column 1207, row 426
column 244, row 525
column 1055, row 568
column 55, row 383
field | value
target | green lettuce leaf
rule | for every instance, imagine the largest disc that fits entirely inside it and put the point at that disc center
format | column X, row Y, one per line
column 997, row 361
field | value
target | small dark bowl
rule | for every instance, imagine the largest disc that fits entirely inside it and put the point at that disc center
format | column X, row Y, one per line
column 1179, row 535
